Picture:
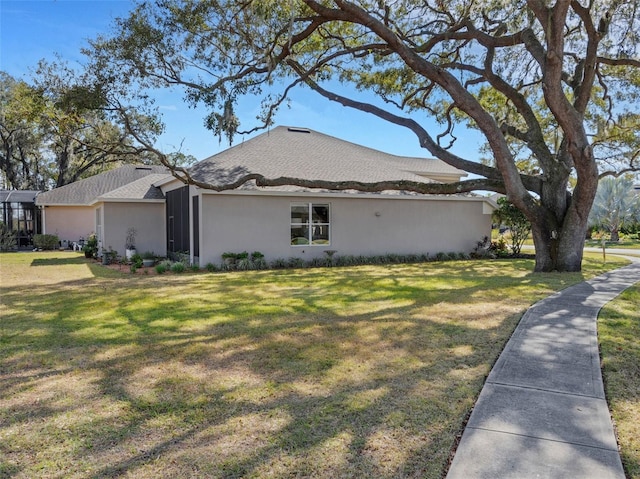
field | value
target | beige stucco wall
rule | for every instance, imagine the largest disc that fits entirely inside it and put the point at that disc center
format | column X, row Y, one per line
column 147, row 218
column 70, row 223
column 359, row 226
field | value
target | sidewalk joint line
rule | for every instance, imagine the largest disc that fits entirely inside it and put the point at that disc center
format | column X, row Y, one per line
column 534, row 388
column 545, row 439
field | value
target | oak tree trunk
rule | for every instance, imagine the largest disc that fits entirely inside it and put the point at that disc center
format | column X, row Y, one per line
column 559, row 249
column 560, row 228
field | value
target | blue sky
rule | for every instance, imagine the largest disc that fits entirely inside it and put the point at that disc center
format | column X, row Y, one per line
column 34, row 29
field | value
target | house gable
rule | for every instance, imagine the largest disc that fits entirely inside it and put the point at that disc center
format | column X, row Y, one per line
column 76, row 210
column 85, row 192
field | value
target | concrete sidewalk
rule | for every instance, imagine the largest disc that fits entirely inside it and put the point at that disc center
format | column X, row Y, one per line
column 542, row 412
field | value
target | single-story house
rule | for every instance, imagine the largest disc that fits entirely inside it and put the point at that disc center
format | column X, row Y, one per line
column 108, row 204
column 283, row 221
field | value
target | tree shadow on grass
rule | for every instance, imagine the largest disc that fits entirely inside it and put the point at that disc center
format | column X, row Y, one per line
column 311, row 373
column 365, row 410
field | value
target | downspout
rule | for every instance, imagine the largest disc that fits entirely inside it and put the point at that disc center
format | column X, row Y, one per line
column 42, row 215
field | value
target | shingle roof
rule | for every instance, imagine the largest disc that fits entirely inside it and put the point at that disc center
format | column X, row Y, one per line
column 18, row 196
column 86, row 191
column 307, row 154
column 141, row 189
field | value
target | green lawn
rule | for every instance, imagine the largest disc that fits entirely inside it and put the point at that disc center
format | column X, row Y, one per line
column 627, row 243
column 342, row 372
column 619, row 335
column 624, row 244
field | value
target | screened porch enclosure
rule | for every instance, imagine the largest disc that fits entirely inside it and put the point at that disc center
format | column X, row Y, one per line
column 20, row 214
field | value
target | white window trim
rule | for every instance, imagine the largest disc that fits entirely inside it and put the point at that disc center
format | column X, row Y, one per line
column 310, row 206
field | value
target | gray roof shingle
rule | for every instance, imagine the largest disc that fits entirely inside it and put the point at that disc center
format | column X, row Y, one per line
column 307, row 154
column 141, row 189
column 18, row 196
column 283, row 151
column 86, row 191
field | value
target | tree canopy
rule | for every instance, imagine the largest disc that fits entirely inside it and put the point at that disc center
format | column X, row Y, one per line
column 63, row 127
column 552, row 85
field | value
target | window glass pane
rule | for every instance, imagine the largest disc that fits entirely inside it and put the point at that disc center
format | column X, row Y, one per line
column 320, row 234
column 299, row 213
column 299, row 234
column 320, row 213
column 309, row 224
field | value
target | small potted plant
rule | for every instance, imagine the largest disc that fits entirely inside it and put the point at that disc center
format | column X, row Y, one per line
column 148, row 259
column 90, row 248
column 130, row 243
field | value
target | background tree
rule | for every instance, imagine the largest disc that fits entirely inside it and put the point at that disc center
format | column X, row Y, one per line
column 21, row 160
column 518, row 224
column 616, row 204
column 66, row 126
column 85, row 134
column 552, row 85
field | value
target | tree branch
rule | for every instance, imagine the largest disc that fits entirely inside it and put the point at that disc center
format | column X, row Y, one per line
column 619, row 62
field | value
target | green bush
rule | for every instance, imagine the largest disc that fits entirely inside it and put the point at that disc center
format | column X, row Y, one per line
column 258, row 261
column 499, row 247
column 181, row 256
column 518, row 224
column 295, row 263
column 229, row 261
column 136, row 260
column 278, row 263
column 109, row 256
column 7, row 238
column 255, row 261
column 46, row 242
column 178, row 267
column 346, row 260
column 90, row 248
column 161, row 268
column 244, row 264
column 243, row 261
column 318, row 262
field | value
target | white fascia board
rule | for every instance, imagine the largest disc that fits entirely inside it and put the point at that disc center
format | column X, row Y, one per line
column 123, row 200
column 63, row 204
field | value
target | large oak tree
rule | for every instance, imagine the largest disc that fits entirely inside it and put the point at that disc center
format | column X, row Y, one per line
column 552, row 85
